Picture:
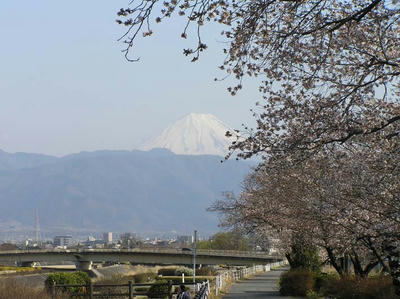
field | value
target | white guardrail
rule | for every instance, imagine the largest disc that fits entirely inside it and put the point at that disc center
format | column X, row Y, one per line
column 202, row 290
column 233, row 275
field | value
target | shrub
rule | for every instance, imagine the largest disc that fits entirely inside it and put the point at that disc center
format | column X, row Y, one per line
column 78, row 277
column 296, row 283
column 322, row 279
column 367, row 288
column 81, row 277
column 167, row 271
column 304, row 256
column 184, row 270
column 158, row 290
column 313, row 295
column 144, row 277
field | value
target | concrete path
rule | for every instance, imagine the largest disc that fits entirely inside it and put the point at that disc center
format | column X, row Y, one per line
column 260, row 286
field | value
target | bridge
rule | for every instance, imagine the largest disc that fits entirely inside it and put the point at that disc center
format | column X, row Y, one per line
column 85, row 258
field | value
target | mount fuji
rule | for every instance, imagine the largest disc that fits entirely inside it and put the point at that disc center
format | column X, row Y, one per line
column 194, row 134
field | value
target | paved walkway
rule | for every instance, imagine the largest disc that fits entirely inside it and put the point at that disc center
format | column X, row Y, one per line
column 260, row 286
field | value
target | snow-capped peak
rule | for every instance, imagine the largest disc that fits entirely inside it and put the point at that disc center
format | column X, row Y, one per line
column 194, row 134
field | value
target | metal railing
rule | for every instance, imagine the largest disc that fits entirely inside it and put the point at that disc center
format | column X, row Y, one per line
column 203, row 290
column 228, row 276
column 129, row 289
column 91, row 290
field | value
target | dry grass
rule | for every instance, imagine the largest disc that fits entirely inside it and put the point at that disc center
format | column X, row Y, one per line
column 213, row 296
column 124, row 277
column 352, row 288
column 20, row 269
column 10, row 288
column 224, row 290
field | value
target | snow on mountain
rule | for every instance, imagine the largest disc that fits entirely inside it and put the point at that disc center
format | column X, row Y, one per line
column 195, row 134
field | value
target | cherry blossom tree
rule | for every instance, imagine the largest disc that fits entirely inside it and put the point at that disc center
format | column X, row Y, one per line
column 343, row 201
column 327, row 58
column 328, row 119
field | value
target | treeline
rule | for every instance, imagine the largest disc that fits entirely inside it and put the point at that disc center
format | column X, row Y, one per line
column 233, row 240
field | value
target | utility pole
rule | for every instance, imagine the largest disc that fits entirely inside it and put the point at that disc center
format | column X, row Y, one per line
column 194, row 256
column 37, row 230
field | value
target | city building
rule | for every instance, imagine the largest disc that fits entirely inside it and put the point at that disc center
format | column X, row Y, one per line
column 62, row 241
column 185, row 239
column 107, row 238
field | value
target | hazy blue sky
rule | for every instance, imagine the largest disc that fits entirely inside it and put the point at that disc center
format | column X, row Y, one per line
column 65, row 86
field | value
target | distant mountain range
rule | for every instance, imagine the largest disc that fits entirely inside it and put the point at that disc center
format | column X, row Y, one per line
column 138, row 191
column 22, row 160
column 194, row 134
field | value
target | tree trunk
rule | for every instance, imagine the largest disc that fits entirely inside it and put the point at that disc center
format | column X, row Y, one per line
column 290, row 260
column 358, row 268
column 334, row 261
column 345, row 264
column 368, row 268
column 393, row 252
column 378, row 255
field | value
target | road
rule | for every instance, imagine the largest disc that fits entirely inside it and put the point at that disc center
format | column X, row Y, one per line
column 261, row 286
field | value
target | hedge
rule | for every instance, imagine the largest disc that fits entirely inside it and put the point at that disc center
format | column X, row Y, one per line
column 158, row 290
column 183, row 270
column 167, row 271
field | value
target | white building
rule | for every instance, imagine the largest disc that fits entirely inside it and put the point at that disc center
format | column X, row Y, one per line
column 107, row 237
